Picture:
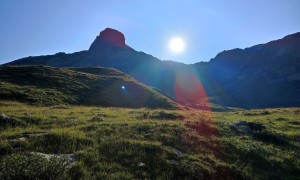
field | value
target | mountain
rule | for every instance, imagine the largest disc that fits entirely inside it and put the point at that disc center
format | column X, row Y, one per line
column 81, row 86
column 265, row 75
column 109, row 50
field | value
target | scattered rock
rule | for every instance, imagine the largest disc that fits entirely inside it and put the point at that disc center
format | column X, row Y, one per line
column 70, row 157
column 177, row 152
column 240, row 126
column 3, row 116
column 245, row 127
column 9, row 121
column 18, row 139
column 141, row 164
column 27, row 113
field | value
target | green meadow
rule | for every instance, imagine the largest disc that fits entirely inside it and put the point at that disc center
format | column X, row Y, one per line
column 123, row 143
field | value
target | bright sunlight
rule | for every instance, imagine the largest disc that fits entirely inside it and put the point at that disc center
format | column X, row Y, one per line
column 176, row 45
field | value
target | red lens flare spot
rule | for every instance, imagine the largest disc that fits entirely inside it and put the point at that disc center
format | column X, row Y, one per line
column 189, row 91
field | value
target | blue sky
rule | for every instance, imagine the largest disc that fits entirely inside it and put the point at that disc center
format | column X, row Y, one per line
column 36, row 27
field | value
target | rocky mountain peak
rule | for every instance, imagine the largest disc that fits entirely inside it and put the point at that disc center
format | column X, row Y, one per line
column 110, row 37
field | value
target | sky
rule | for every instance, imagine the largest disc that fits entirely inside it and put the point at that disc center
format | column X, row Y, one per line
column 35, row 27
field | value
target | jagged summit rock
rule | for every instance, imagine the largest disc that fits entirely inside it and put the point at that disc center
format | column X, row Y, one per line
column 108, row 37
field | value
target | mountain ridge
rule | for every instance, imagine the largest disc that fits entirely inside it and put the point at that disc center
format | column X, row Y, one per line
column 227, row 79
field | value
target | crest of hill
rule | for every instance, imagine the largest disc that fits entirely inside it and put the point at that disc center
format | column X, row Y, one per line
column 43, row 85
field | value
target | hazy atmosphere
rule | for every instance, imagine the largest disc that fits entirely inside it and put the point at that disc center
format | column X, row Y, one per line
column 33, row 27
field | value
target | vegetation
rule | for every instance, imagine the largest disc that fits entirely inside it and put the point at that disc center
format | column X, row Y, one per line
column 20, row 166
column 40, row 85
column 124, row 143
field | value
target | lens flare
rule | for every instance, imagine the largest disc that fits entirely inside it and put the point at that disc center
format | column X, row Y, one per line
column 190, row 91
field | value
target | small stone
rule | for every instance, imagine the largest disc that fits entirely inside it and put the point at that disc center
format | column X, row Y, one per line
column 3, row 116
column 18, row 139
column 177, row 152
column 141, row 164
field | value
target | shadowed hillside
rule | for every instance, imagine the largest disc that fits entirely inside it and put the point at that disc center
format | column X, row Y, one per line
column 265, row 75
column 81, row 86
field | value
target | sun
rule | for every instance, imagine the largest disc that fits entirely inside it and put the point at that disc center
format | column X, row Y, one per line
column 176, row 44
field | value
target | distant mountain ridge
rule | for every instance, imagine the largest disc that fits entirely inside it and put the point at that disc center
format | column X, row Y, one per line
column 265, row 75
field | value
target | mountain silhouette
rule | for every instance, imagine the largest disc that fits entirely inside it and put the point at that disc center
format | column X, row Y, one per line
column 265, row 75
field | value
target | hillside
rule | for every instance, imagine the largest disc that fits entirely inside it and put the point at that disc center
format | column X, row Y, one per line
column 43, row 85
column 265, row 75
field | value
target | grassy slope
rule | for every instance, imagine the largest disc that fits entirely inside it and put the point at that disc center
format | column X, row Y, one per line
column 41, row 85
column 113, row 142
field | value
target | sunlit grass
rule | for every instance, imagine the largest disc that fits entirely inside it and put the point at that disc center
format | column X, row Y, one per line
column 155, row 143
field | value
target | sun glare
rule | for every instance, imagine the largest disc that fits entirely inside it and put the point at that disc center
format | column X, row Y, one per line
column 176, row 45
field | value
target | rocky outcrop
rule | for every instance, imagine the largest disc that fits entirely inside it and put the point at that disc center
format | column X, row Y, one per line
column 108, row 37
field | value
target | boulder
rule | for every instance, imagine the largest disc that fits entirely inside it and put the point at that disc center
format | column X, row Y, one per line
column 245, row 127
